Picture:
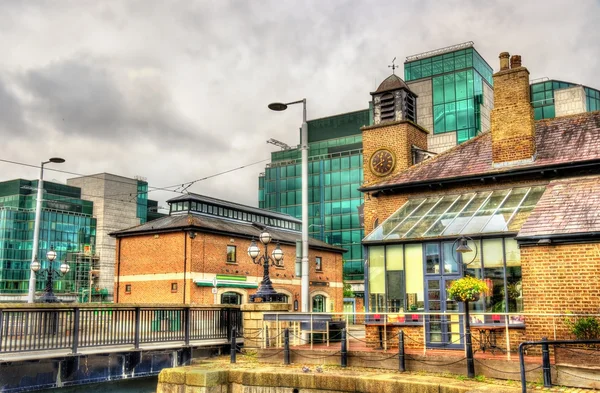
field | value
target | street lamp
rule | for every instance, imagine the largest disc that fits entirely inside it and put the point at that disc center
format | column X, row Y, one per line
column 278, row 106
column 36, row 227
column 463, row 248
column 266, row 292
column 49, row 296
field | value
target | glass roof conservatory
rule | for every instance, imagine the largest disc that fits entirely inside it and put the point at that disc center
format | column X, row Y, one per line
column 472, row 213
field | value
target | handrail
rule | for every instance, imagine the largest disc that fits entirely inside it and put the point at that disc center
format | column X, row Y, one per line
column 545, row 358
column 59, row 327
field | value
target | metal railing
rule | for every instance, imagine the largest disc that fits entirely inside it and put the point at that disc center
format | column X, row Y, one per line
column 503, row 323
column 25, row 329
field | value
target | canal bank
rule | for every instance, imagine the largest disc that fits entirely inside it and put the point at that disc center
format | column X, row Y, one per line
column 247, row 375
column 137, row 385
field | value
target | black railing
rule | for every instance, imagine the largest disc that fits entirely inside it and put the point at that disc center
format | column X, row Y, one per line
column 546, row 366
column 24, row 329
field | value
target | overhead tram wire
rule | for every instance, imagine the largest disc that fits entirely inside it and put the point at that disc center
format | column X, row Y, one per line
column 184, row 185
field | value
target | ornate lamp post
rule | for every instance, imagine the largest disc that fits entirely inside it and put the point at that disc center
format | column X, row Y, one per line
column 266, row 292
column 49, row 296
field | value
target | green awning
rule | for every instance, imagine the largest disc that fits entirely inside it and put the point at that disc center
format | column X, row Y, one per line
column 471, row 213
column 226, row 283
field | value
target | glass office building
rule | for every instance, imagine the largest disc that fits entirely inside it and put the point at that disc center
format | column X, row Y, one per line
column 455, row 93
column 543, row 102
column 67, row 225
column 334, row 176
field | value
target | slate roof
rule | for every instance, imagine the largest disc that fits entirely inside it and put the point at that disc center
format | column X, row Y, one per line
column 392, row 82
column 563, row 140
column 569, row 206
column 213, row 224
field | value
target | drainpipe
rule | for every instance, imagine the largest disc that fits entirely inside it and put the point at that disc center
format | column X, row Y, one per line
column 118, row 269
column 185, row 261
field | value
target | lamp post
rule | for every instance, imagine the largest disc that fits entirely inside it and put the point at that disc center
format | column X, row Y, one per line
column 266, row 292
column 463, row 248
column 36, row 227
column 278, row 106
column 49, row 296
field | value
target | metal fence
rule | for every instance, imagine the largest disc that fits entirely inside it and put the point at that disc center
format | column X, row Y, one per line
column 34, row 329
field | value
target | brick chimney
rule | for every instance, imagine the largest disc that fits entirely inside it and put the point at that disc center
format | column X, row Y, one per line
column 513, row 129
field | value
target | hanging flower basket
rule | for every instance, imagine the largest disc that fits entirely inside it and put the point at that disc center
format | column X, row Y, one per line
column 467, row 289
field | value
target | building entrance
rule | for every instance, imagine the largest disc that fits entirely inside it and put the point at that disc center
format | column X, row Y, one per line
column 441, row 269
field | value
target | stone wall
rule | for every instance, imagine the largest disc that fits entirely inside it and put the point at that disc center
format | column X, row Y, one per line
column 113, row 211
column 569, row 101
column 423, row 89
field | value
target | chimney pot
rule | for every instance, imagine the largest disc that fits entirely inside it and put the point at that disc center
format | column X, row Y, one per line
column 504, row 61
column 515, row 61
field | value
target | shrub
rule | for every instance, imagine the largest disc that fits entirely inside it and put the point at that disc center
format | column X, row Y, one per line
column 467, row 289
column 584, row 328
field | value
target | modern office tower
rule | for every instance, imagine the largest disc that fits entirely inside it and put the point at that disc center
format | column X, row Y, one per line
column 119, row 203
column 67, row 225
column 553, row 98
column 455, row 94
column 334, row 176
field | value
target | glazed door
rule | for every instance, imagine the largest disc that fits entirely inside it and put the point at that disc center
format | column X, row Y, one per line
column 443, row 331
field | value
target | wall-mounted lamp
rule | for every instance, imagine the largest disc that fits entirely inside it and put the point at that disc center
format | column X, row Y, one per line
column 192, row 234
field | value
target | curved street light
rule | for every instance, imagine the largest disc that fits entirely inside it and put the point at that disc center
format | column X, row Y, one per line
column 36, row 227
column 278, row 107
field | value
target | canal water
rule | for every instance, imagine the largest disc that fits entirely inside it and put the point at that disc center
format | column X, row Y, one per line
column 133, row 385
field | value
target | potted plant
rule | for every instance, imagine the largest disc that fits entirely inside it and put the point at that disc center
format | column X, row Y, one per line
column 467, row 289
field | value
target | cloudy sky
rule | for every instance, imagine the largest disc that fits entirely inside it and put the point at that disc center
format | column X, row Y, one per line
column 176, row 91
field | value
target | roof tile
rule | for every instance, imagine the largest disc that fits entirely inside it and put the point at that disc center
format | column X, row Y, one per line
column 560, row 140
column 567, row 207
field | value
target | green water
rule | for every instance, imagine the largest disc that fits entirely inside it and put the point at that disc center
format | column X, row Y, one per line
column 137, row 385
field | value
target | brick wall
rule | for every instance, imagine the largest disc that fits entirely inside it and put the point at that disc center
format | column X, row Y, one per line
column 559, row 279
column 512, row 121
column 396, row 137
column 151, row 263
column 413, row 336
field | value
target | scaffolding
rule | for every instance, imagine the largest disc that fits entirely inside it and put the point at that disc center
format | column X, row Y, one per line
column 82, row 281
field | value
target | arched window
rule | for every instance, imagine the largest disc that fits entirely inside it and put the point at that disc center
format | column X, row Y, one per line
column 318, row 303
column 231, row 298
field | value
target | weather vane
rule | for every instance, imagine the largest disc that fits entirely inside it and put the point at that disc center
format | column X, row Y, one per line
column 393, row 66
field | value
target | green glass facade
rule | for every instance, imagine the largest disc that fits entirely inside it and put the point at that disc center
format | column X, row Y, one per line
column 142, row 201
column 542, row 98
column 458, row 79
column 66, row 224
column 334, row 176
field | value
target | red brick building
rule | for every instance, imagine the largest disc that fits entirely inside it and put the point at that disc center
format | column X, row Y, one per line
column 201, row 248
column 526, row 197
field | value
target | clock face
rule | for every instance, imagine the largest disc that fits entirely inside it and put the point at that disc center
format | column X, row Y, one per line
column 382, row 162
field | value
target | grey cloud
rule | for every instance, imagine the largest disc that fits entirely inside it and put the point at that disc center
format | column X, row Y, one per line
column 11, row 113
column 88, row 98
column 187, row 82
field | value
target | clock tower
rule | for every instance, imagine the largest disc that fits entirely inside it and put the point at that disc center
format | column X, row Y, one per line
column 394, row 141
column 389, row 144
